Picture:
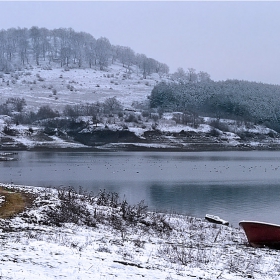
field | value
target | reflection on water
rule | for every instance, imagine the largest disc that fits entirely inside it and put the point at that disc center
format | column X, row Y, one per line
column 234, row 185
column 232, row 202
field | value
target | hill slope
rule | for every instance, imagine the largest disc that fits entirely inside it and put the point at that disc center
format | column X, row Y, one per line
column 134, row 126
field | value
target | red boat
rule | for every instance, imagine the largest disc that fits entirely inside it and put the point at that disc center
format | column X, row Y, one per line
column 262, row 234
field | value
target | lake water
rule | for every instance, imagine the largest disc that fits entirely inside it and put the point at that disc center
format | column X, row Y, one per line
column 232, row 185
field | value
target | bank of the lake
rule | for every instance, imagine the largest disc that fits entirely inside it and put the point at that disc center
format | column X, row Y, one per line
column 113, row 137
column 106, row 243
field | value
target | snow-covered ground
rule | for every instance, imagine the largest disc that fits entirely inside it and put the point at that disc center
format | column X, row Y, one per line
column 154, row 246
column 56, row 87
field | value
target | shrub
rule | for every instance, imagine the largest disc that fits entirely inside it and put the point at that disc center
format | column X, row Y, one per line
column 112, row 105
column 71, row 209
column 107, row 199
column 145, row 114
column 46, row 112
column 131, row 118
column 70, row 87
column 214, row 132
column 219, row 125
column 133, row 213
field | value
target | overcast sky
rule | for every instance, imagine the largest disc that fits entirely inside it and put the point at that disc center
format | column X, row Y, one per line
column 229, row 40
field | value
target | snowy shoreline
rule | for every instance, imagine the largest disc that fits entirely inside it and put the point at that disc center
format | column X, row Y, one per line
column 134, row 147
column 121, row 241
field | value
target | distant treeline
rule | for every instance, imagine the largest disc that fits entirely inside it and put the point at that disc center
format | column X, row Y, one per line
column 22, row 46
column 240, row 100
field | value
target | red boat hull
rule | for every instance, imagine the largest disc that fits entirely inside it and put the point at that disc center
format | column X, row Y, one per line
column 262, row 234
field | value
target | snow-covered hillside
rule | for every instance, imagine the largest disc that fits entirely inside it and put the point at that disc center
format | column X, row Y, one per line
column 134, row 128
column 58, row 87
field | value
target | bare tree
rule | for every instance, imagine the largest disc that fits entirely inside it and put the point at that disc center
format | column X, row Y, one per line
column 103, row 52
column 180, row 75
column 142, row 63
column 161, row 68
column 44, row 42
column 23, row 44
column 65, row 45
column 11, row 43
column 192, row 76
column 35, row 41
column 203, row 77
column 90, row 49
column 127, row 56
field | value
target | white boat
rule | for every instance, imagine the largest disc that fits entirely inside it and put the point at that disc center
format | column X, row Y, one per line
column 216, row 220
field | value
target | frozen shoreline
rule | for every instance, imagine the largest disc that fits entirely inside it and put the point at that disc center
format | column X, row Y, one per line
column 156, row 246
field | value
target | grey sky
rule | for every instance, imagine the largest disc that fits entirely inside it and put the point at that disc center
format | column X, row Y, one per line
column 229, row 40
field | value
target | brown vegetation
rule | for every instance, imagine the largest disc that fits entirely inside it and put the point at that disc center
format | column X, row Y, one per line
column 15, row 202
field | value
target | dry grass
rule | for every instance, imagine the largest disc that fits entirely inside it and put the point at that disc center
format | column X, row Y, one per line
column 15, row 202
